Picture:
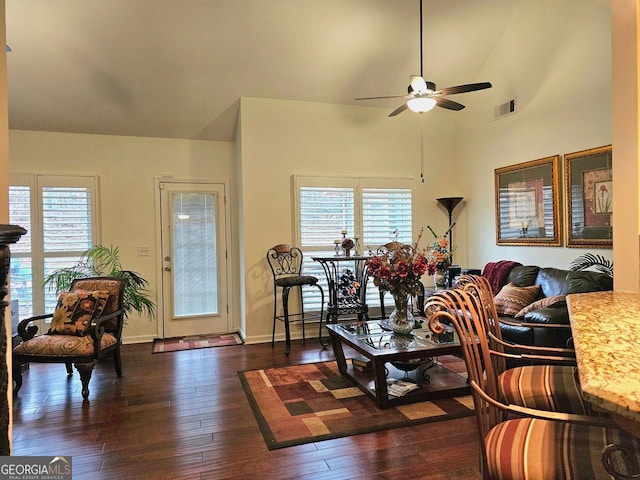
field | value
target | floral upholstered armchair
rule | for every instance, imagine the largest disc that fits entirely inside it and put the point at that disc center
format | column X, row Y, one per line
column 86, row 326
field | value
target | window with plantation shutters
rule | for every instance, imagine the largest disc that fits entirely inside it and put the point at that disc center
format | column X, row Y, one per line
column 66, row 219
column 386, row 214
column 324, row 213
column 58, row 213
column 375, row 210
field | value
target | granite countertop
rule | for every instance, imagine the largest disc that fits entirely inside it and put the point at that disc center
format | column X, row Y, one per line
column 606, row 334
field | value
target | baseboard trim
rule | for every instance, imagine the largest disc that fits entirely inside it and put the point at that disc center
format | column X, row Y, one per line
column 138, row 339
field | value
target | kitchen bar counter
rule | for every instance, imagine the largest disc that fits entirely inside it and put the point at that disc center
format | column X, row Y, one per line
column 606, row 335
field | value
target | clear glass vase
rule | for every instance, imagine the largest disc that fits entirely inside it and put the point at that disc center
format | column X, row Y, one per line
column 401, row 319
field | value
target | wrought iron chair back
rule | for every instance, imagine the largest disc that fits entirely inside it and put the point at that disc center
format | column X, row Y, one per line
column 285, row 260
column 286, row 263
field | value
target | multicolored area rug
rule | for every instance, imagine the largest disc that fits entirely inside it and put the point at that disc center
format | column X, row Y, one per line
column 200, row 341
column 309, row 403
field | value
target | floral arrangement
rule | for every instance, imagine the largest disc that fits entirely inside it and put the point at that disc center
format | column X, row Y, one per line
column 399, row 269
column 438, row 254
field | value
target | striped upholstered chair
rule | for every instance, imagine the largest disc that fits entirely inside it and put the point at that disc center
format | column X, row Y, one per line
column 521, row 443
column 85, row 327
column 550, row 382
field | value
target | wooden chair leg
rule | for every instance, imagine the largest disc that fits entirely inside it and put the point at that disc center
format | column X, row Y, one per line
column 85, row 370
column 17, row 378
column 117, row 361
column 69, row 368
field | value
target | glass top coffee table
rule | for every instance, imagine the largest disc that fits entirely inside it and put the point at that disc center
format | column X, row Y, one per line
column 381, row 347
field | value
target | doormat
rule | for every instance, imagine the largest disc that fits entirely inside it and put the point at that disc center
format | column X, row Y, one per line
column 176, row 344
column 313, row 402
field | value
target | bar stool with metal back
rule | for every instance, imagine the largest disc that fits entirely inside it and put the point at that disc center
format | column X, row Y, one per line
column 286, row 265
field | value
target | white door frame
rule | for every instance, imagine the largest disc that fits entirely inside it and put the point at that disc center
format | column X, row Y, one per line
column 160, row 307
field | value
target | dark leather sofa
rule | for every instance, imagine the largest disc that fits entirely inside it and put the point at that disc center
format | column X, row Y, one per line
column 552, row 281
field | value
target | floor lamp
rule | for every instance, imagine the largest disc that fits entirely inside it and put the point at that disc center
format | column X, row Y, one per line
column 450, row 203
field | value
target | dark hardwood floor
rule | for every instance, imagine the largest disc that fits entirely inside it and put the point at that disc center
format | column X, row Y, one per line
column 184, row 415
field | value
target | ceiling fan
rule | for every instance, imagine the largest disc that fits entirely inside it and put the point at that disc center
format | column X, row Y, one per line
column 422, row 95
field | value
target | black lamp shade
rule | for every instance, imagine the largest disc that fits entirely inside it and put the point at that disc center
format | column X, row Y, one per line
column 450, row 202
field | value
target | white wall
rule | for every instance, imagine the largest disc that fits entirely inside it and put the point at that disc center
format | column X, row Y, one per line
column 127, row 167
column 563, row 90
column 626, row 89
column 282, row 138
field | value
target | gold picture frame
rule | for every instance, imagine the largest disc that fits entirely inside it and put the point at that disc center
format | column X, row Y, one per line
column 528, row 203
column 589, row 195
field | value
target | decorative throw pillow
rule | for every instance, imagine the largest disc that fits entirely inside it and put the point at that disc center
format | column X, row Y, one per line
column 511, row 299
column 542, row 303
column 75, row 310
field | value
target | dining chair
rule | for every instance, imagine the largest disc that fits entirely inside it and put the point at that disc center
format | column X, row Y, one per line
column 521, row 443
column 286, row 262
column 549, row 382
column 85, row 327
column 482, row 287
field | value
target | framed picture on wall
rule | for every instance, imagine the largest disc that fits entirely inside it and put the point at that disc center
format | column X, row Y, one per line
column 528, row 203
column 589, row 198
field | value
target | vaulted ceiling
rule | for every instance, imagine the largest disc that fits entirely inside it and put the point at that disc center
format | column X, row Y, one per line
column 177, row 69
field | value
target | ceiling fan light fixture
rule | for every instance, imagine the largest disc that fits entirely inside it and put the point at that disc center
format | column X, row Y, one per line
column 421, row 104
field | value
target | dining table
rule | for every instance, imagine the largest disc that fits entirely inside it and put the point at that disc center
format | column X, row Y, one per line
column 606, row 336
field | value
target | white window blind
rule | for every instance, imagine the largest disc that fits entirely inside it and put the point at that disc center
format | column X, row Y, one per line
column 58, row 213
column 386, row 213
column 375, row 210
column 324, row 213
column 194, row 253
column 21, row 281
column 66, row 219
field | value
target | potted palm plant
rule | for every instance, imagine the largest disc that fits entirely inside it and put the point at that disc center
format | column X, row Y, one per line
column 590, row 283
column 590, row 260
column 103, row 261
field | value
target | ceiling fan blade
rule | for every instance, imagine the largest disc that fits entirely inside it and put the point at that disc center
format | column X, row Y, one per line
column 448, row 104
column 398, row 110
column 471, row 87
column 378, row 98
column 417, row 84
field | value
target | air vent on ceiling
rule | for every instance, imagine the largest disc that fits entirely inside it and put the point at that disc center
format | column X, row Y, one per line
column 505, row 109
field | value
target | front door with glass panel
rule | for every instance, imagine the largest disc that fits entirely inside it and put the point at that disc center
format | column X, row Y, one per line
column 194, row 279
